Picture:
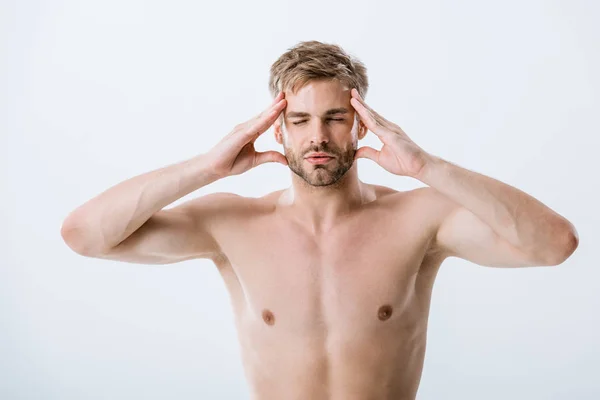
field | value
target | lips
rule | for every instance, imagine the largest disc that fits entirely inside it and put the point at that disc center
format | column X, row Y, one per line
column 319, row 155
column 319, row 158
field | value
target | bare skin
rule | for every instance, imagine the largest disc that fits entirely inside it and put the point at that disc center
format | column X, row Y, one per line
column 337, row 314
column 330, row 280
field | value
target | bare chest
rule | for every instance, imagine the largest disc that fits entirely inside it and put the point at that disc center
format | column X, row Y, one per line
column 363, row 273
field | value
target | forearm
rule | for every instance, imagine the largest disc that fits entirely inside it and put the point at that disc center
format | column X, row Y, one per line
column 113, row 215
column 513, row 214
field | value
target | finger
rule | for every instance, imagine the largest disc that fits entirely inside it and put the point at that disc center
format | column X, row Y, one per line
column 378, row 117
column 250, row 130
column 276, row 100
column 261, row 124
column 374, row 126
column 279, row 96
column 269, row 156
column 367, row 152
column 256, row 125
column 252, row 127
column 276, row 105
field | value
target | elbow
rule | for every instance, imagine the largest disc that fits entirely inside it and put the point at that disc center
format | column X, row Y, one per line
column 73, row 235
column 567, row 244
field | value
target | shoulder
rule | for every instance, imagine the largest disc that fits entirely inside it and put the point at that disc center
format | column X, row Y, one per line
column 427, row 206
column 429, row 197
column 437, row 203
column 225, row 204
column 214, row 202
column 403, row 198
column 432, row 205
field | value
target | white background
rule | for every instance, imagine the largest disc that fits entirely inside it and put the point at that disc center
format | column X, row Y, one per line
column 93, row 93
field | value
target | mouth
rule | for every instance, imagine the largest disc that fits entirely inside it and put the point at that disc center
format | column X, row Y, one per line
column 319, row 159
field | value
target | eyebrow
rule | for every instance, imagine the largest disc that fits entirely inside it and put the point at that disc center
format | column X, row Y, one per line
column 332, row 111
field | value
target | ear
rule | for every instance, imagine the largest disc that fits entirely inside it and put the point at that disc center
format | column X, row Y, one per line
column 362, row 129
column 277, row 130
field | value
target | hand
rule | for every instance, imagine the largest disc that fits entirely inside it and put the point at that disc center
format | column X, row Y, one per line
column 399, row 155
column 235, row 153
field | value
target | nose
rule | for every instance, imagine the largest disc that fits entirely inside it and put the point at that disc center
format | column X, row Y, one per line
column 320, row 134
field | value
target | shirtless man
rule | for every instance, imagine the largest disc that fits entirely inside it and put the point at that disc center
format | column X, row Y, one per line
column 330, row 279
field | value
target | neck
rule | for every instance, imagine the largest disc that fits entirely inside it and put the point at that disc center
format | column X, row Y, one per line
column 320, row 207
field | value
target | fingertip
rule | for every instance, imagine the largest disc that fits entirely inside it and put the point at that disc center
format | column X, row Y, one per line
column 366, row 152
column 277, row 98
column 283, row 159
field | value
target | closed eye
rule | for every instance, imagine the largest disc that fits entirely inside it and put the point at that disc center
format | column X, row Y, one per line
column 330, row 119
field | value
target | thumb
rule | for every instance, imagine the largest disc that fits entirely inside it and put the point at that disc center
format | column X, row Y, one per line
column 270, row 156
column 367, row 152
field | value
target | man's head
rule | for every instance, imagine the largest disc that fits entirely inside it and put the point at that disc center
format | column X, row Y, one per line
column 317, row 79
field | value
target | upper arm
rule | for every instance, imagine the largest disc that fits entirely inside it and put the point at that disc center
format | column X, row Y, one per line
column 462, row 234
column 172, row 235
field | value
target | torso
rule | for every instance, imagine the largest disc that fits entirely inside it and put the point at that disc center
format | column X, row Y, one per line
column 341, row 315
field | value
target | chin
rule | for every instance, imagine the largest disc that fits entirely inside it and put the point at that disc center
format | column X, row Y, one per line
column 322, row 183
column 322, row 177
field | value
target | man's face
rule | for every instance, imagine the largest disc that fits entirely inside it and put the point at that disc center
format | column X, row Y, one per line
column 319, row 118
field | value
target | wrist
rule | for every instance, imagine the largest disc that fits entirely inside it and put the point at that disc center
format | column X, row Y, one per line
column 431, row 166
column 201, row 172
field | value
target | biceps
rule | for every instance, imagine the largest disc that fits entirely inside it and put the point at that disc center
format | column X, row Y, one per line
column 462, row 234
column 167, row 237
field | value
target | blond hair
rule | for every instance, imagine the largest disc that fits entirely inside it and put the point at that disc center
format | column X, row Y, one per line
column 313, row 60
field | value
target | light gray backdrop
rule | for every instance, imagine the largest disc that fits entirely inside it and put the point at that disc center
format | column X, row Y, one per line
column 96, row 92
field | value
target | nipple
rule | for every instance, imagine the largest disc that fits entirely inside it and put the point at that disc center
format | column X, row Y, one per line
column 268, row 317
column 384, row 312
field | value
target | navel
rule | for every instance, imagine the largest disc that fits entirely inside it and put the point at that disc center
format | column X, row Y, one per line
column 268, row 317
column 384, row 312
